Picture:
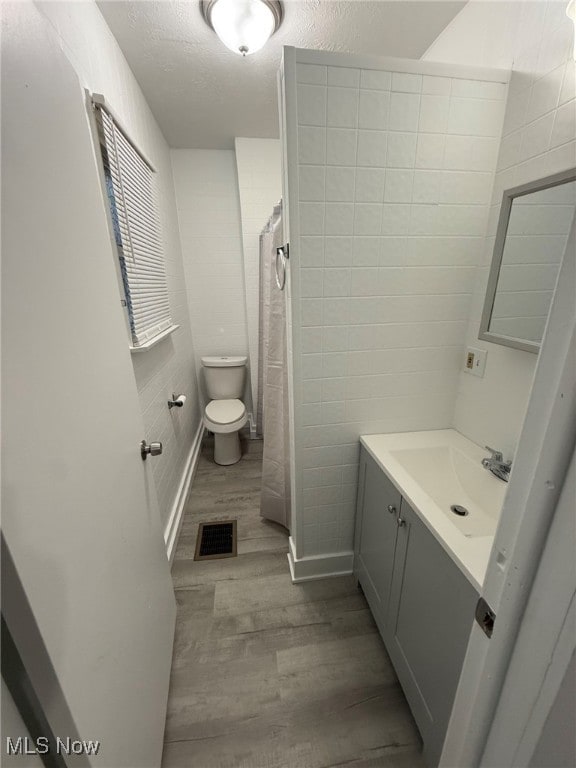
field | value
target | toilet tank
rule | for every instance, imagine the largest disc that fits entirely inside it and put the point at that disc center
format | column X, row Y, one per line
column 224, row 377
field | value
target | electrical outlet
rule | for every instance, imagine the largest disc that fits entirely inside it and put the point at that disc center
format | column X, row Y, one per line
column 475, row 361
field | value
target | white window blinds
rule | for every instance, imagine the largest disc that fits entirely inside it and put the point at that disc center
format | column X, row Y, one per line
column 133, row 200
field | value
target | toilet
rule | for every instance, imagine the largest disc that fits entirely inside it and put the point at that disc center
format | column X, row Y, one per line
column 225, row 414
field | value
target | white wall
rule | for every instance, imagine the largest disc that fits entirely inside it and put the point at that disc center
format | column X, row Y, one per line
column 259, row 169
column 167, row 367
column 210, row 230
column 538, row 139
column 394, row 177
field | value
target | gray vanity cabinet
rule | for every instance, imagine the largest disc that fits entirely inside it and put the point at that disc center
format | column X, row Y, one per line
column 376, row 534
column 422, row 602
column 429, row 620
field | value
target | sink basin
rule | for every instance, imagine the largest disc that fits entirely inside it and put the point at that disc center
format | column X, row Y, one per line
column 435, row 470
column 451, row 478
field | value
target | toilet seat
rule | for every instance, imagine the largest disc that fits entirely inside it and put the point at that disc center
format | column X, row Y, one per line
column 225, row 411
column 224, row 416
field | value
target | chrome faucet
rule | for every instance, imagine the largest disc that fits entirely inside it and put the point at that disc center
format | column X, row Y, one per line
column 497, row 465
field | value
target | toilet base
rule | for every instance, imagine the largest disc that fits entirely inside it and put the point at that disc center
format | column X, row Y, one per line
column 227, row 448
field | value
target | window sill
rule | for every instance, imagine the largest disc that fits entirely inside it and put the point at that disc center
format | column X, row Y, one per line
column 155, row 340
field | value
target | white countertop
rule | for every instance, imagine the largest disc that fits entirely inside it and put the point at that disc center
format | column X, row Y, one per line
column 470, row 553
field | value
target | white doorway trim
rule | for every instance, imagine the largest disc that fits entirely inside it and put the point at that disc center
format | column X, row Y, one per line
column 544, row 647
column 544, row 452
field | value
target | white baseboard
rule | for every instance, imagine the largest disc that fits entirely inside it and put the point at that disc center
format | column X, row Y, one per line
column 318, row 566
column 175, row 520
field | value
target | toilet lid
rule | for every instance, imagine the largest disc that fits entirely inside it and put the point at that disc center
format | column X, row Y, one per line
column 224, row 361
column 225, row 411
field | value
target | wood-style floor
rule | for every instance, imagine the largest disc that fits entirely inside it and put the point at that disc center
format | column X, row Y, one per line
column 265, row 673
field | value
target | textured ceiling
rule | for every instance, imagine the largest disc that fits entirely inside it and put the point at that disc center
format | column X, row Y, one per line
column 203, row 95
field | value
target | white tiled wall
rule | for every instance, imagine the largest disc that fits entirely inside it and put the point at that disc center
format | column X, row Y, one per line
column 260, row 187
column 395, row 173
column 210, row 229
column 539, row 139
column 168, row 367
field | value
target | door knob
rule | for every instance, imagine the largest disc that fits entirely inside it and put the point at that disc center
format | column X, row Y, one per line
column 152, row 449
column 400, row 522
column 392, row 509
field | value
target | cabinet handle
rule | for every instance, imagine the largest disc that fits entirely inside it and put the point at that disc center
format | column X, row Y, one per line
column 400, row 522
column 392, row 509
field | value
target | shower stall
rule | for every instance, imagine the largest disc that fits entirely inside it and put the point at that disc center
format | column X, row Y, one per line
column 272, row 414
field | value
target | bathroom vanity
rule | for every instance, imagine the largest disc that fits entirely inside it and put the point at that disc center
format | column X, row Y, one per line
column 421, row 565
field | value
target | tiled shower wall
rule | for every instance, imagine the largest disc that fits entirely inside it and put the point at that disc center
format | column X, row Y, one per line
column 394, row 177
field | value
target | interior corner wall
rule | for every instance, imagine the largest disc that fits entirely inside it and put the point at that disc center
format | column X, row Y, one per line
column 208, row 207
column 535, row 39
column 259, row 167
column 390, row 171
column 168, row 367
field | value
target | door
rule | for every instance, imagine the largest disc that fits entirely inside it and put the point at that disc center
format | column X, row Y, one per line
column 545, row 699
column 79, row 509
column 380, row 505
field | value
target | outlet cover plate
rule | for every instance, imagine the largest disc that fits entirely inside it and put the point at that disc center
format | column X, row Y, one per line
column 475, row 361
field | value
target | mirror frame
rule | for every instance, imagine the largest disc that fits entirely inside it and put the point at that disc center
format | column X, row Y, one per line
column 507, row 199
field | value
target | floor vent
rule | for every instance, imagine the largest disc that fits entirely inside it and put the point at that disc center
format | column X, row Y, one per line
column 216, row 540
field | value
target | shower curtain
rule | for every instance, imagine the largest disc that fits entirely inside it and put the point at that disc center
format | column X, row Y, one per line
column 272, row 411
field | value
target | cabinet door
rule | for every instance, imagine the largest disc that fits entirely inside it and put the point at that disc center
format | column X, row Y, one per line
column 376, row 536
column 431, row 613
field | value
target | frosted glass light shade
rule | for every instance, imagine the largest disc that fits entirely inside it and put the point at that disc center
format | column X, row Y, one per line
column 244, row 26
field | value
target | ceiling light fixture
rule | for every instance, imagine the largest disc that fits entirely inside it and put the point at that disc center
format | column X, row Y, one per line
column 244, row 26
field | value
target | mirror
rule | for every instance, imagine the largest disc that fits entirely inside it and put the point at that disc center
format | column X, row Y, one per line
column 533, row 228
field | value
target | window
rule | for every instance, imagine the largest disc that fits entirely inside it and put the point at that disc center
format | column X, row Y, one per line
column 132, row 197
